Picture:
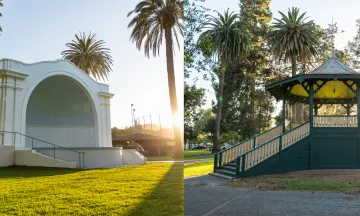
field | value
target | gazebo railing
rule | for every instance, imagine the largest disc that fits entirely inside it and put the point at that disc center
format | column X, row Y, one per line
column 335, row 121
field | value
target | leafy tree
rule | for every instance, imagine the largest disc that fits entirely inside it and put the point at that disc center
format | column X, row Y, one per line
column 154, row 20
column 353, row 48
column 229, row 40
column 194, row 99
column 194, row 17
column 204, row 125
column 257, row 15
column 90, row 55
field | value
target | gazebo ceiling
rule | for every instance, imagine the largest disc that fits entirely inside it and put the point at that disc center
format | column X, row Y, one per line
column 333, row 81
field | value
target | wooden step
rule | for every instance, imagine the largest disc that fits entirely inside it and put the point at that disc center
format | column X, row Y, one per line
column 230, row 168
column 232, row 164
column 226, row 172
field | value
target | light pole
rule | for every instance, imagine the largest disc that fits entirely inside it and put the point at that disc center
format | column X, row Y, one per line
column 134, row 121
column 132, row 115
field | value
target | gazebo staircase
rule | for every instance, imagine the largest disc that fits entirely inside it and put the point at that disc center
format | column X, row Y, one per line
column 280, row 149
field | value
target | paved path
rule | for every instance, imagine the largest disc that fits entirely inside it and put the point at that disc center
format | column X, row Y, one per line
column 206, row 195
column 187, row 162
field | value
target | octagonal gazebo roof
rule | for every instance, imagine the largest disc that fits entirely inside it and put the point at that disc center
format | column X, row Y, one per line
column 334, row 82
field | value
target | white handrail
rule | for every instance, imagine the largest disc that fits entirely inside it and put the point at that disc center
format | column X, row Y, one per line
column 272, row 147
column 335, row 121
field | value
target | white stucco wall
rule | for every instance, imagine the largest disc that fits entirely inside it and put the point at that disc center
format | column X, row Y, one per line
column 94, row 157
column 27, row 157
column 132, row 157
column 66, row 136
column 7, row 156
column 101, row 157
column 18, row 84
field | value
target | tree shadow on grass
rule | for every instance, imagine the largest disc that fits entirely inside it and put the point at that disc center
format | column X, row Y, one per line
column 168, row 196
column 29, row 172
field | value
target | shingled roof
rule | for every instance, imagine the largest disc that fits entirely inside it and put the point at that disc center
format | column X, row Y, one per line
column 333, row 66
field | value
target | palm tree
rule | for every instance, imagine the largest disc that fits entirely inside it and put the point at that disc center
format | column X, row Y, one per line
column 293, row 37
column 153, row 20
column 1, row 4
column 230, row 41
column 90, row 55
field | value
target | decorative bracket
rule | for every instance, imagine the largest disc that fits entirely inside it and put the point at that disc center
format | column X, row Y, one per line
column 350, row 84
column 319, row 85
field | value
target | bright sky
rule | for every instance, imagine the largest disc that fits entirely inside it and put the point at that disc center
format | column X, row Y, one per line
column 38, row 30
column 321, row 11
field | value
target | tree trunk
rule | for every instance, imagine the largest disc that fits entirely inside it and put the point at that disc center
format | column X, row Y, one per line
column 252, row 102
column 293, row 72
column 219, row 106
column 179, row 149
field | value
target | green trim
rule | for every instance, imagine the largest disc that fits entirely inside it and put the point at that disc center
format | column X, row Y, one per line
column 311, row 105
column 319, row 86
column 237, row 167
column 350, row 86
column 281, row 83
column 215, row 162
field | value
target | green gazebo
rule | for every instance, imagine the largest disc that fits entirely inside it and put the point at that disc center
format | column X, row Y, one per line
column 323, row 142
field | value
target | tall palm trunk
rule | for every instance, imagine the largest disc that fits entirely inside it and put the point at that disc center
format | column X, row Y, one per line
column 219, row 106
column 293, row 73
column 179, row 150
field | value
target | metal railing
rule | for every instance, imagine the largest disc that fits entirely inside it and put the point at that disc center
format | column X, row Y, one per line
column 132, row 145
column 46, row 148
column 260, row 153
column 230, row 154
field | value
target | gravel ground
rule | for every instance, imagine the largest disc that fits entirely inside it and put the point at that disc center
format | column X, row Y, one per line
column 207, row 195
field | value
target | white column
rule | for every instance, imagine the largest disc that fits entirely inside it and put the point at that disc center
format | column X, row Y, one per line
column 105, row 125
column 10, row 106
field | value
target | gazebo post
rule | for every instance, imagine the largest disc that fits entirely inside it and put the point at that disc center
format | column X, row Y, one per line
column 316, row 108
column 358, row 102
column 311, row 105
column 284, row 110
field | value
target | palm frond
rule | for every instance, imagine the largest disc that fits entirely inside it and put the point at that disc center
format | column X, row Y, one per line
column 228, row 35
column 292, row 35
column 90, row 55
column 150, row 20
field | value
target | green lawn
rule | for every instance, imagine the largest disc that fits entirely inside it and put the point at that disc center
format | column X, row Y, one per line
column 152, row 189
column 198, row 169
column 160, row 158
column 346, row 182
column 197, row 154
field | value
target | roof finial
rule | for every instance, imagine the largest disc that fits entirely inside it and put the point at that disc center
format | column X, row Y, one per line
column 332, row 30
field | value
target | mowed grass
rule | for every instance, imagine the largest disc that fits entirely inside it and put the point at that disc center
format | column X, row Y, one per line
column 198, row 169
column 346, row 182
column 197, row 154
column 160, row 158
column 152, row 189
